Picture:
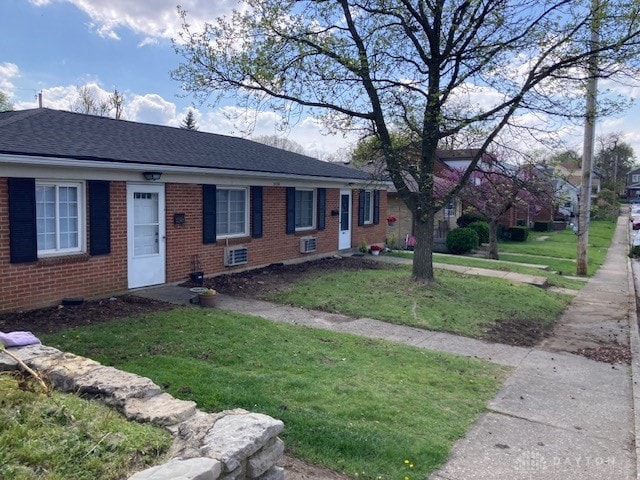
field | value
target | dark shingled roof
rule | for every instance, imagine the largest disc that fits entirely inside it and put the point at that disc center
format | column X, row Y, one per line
column 60, row 134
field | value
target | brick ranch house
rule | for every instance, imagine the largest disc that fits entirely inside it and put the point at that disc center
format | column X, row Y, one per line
column 91, row 206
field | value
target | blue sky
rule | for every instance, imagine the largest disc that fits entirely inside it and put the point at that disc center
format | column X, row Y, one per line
column 55, row 46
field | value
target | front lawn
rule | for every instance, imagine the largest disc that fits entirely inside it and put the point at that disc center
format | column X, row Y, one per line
column 466, row 305
column 351, row 404
column 563, row 245
column 554, row 279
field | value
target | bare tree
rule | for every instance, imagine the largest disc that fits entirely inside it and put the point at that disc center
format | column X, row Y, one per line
column 281, row 142
column 116, row 102
column 5, row 104
column 92, row 103
column 86, row 102
column 438, row 69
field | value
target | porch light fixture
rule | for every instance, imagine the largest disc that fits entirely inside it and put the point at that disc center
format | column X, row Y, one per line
column 152, row 175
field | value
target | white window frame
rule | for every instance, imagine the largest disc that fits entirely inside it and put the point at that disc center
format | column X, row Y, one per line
column 368, row 212
column 450, row 209
column 635, row 177
column 247, row 205
column 82, row 222
column 313, row 210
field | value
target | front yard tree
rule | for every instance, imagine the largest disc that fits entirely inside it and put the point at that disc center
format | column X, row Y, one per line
column 614, row 159
column 495, row 189
column 441, row 69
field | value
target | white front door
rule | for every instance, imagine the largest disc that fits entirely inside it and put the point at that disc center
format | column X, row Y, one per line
column 344, row 237
column 145, row 235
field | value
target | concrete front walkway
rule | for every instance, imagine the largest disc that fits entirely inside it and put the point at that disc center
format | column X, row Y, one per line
column 558, row 416
column 536, row 280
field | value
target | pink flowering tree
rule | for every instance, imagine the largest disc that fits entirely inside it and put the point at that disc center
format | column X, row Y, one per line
column 493, row 190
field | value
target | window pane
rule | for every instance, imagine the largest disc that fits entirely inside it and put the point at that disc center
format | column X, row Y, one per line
column 304, row 208
column 57, row 217
column 231, row 212
column 367, row 207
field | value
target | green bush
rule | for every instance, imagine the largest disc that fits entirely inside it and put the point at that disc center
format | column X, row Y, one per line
column 465, row 219
column 462, row 240
column 635, row 252
column 482, row 229
column 518, row 234
column 542, row 226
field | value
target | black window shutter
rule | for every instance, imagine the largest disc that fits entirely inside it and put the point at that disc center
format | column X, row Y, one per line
column 208, row 214
column 99, row 217
column 361, row 208
column 322, row 207
column 291, row 210
column 256, row 212
column 23, row 240
column 376, row 207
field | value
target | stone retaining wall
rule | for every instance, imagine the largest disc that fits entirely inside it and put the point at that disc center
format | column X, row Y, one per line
column 230, row 445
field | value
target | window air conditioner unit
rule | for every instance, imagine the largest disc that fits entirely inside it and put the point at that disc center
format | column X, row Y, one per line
column 308, row 244
column 235, row 256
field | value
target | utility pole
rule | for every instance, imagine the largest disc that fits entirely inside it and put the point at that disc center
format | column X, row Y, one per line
column 587, row 148
column 614, row 207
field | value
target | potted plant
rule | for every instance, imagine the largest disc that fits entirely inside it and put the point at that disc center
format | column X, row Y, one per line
column 375, row 249
column 208, row 297
column 391, row 219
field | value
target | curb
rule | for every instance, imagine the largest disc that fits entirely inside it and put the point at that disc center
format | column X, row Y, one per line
column 634, row 344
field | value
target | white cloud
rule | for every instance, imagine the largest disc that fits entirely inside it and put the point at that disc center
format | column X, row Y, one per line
column 150, row 18
column 8, row 72
column 150, row 108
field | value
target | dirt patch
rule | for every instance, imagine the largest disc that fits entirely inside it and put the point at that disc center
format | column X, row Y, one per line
column 253, row 283
column 278, row 277
column 59, row 318
column 519, row 332
column 298, row 470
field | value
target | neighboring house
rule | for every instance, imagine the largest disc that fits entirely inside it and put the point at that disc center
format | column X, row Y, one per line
column 633, row 184
column 571, row 172
column 402, row 230
column 90, row 206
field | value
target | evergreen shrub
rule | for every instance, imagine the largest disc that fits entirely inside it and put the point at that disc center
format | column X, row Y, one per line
column 462, row 240
column 482, row 229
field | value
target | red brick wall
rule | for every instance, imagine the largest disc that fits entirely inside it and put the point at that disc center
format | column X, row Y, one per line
column 47, row 281
column 185, row 241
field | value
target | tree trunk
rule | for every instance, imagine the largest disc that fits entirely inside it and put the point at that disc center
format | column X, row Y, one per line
column 423, row 249
column 493, row 240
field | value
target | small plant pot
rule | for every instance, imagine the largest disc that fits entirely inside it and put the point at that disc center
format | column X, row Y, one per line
column 375, row 252
column 207, row 300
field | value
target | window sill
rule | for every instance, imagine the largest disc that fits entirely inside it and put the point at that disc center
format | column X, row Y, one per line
column 63, row 259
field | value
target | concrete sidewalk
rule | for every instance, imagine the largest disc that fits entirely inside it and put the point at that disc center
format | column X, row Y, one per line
column 559, row 415
column 562, row 416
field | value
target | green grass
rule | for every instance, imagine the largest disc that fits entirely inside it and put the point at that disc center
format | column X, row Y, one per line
column 466, row 305
column 557, row 250
column 67, row 437
column 563, row 245
column 554, row 279
column 351, row 404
